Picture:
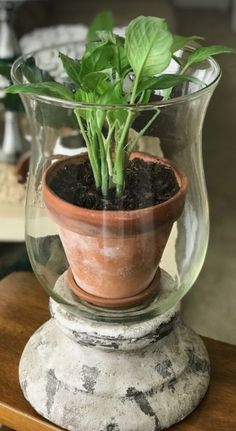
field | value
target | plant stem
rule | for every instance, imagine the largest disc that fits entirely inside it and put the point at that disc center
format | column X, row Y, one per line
column 94, row 141
column 91, row 155
column 107, row 145
column 187, row 65
column 104, row 169
column 121, row 157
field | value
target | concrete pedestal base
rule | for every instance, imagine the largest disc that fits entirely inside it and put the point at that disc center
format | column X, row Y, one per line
column 93, row 376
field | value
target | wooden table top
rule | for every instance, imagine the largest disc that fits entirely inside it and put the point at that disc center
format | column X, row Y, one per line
column 24, row 307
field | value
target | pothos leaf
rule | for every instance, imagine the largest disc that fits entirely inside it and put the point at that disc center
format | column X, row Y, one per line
column 96, row 81
column 49, row 89
column 180, row 42
column 72, row 67
column 165, row 81
column 102, row 38
column 98, row 60
column 103, row 21
column 201, row 54
column 115, row 45
column 148, row 45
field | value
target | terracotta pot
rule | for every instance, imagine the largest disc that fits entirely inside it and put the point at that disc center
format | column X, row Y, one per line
column 114, row 254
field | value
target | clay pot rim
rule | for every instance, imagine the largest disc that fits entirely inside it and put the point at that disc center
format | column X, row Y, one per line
column 77, row 212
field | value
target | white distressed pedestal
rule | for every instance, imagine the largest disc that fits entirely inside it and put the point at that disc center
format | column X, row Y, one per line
column 85, row 375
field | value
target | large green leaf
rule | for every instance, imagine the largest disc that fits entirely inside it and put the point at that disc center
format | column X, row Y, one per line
column 113, row 44
column 201, row 54
column 72, row 67
column 104, row 39
column 102, row 21
column 97, row 61
column 148, row 45
column 49, row 89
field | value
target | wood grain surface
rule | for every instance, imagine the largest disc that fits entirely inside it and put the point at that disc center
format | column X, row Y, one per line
column 24, row 307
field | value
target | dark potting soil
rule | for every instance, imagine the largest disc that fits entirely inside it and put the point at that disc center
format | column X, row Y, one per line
column 146, row 184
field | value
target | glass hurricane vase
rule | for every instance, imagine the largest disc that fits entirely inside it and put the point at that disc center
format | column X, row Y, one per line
column 175, row 134
column 115, row 354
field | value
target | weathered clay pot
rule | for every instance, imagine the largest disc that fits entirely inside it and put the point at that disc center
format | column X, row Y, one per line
column 114, row 254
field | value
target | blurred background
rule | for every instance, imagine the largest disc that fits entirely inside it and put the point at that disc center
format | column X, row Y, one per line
column 210, row 306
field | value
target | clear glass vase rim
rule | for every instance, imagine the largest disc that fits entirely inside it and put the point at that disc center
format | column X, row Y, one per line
column 73, row 105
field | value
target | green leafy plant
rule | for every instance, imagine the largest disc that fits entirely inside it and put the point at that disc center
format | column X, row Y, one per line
column 118, row 74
